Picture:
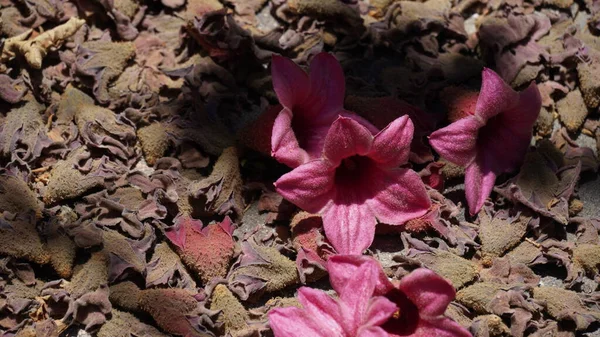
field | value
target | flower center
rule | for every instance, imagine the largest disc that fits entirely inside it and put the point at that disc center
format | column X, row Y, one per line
column 405, row 320
column 352, row 169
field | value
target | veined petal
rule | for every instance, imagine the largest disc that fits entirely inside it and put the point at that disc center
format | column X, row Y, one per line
column 355, row 296
column 345, row 113
column 391, row 146
column 284, row 144
column 428, row 291
column 309, row 186
column 342, row 268
column 294, row 322
column 327, row 84
column 401, row 196
column 290, row 82
column 522, row 117
column 346, row 138
column 380, row 310
column 495, row 96
column 372, row 331
column 479, row 182
column 457, row 142
column 349, row 226
column 322, row 309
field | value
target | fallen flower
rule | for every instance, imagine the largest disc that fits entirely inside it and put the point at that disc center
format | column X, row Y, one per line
column 357, row 182
column 311, row 103
column 370, row 305
column 491, row 140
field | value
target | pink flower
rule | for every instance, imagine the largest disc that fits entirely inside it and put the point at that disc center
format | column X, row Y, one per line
column 357, row 182
column 493, row 139
column 370, row 305
column 310, row 104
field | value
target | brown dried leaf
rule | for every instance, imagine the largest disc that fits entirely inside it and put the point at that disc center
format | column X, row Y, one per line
column 123, row 324
column 24, row 126
column 20, row 239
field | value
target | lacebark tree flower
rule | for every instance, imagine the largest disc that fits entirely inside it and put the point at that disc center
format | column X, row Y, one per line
column 311, row 102
column 491, row 140
column 370, row 305
column 357, row 181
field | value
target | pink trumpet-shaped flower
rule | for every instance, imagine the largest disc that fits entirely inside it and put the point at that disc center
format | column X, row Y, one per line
column 370, row 305
column 491, row 140
column 310, row 104
column 357, row 182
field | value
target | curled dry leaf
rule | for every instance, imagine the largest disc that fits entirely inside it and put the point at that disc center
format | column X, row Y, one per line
column 123, row 324
column 207, row 251
column 126, row 254
column 261, row 269
column 17, row 198
column 165, row 269
column 23, row 132
column 500, row 232
column 72, row 177
column 35, row 50
column 222, row 190
column 20, row 239
column 104, row 61
column 232, row 314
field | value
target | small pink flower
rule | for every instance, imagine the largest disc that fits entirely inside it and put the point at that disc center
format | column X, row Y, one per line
column 310, row 104
column 370, row 305
column 357, row 182
column 493, row 139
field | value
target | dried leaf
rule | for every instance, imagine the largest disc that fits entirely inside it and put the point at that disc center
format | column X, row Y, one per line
column 20, row 239
column 123, row 324
column 24, row 127
column 221, row 191
column 165, row 269
column 207, row 251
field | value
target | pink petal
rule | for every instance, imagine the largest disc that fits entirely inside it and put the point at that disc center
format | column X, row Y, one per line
column 346, row 138
column 428, row 291
column 293, row 322
column 309, row 186
column 380, row 310
column 355, row 296
column 345, row 113
column 522, row 117
column 349, row 226
column 440, row 327
column 373, row 331
column 479, row 182
column 322, row 309
column 401, row 196
column 495, row 95
column 290, row 82
column 457, row 142
column 327, row 84
column 284, row 144
column 391, row 146
column 342, row 268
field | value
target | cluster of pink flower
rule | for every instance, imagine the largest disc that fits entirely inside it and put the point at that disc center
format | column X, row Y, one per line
column 352, row 174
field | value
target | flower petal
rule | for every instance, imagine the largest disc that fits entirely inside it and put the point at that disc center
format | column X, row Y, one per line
column 522, row 117
column 284, row 144
column 290, row 82
column 342, row 268
column 428, row 291
column 401, row 196
column 293, row 322
column 327, row 84
column 345, row 113
column 355, row 297
column 457, row 142
column 349, row 226
column 391, row 146
column 309, row 186
column 373, row 331
column 380, row 310
column 322, row 309
column 346, row 138
column 479, row 182
column 495, row 96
